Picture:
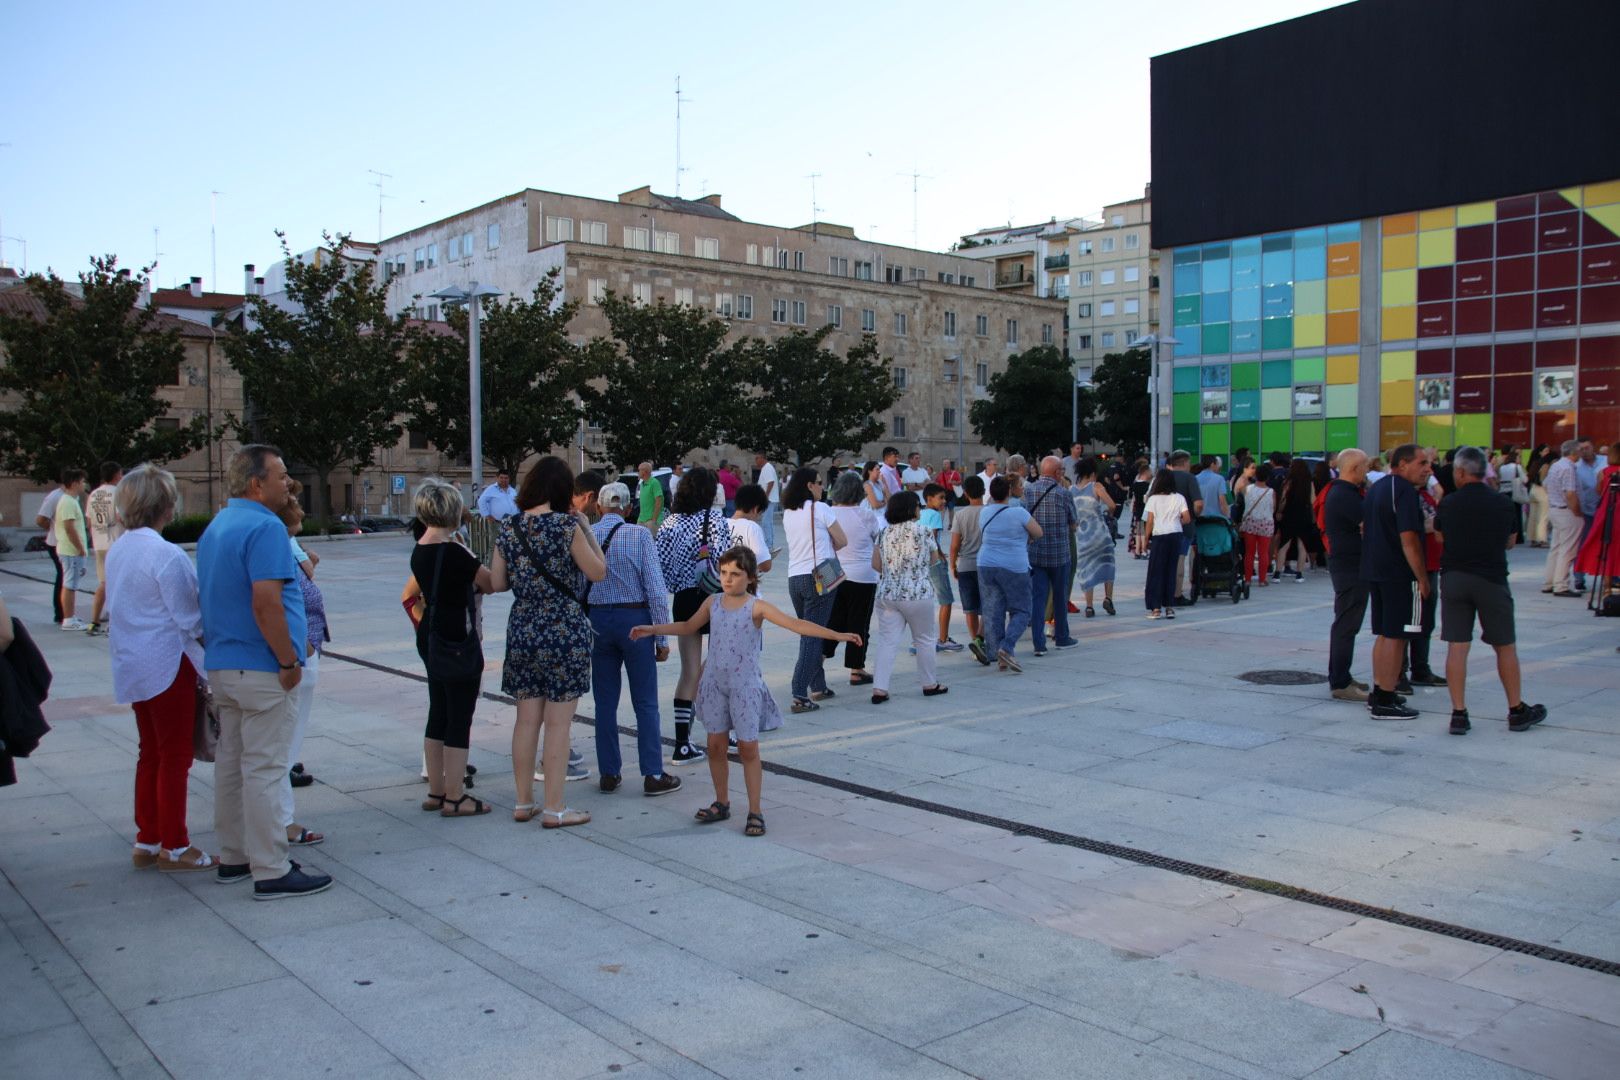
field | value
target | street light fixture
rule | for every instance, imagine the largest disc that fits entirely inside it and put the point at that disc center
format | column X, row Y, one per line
column 24, row 244
column 475, row 377
column 1153, row 341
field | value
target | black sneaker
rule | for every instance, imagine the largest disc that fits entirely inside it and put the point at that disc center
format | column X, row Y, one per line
column 1523, row 717
column 1404, row 686
column 1428, row 678
column 976, row 647
column 608, row 783
column 300, row 778
column 293, row 883
column 662, row 784
column 687, row 754
column 1459, row 722
column 231, row 873
column 1391, row 710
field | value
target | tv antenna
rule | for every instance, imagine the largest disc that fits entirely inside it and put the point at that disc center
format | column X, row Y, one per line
column 679, row 99
column 156, row 255
column 213, row 238
column 815, row 209
column 915, row 177
column 378, row 184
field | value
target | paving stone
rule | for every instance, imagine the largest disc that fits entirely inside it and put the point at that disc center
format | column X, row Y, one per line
column 1255, row 960
column 852, row 894
column 65, row 1050
column 1408, row 949
column 1395, row 1055
column 1434, row 1008
column 1557, row 986
column 1211, row 734
column 1552, row 1043
column 1033, row 1044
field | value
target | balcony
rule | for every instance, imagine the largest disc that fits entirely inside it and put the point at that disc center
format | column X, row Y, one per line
column 1058, row 262
column 1014, row 276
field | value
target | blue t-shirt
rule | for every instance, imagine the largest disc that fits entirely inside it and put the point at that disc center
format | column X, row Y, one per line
column 245, row 543
column 1391, row 508
column 1005, row 544
column 1213, row 488
column 934, row 522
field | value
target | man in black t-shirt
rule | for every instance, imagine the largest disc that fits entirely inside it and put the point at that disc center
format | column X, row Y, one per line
column 1479, row 526
column 1342, row 516
column 1397, row 578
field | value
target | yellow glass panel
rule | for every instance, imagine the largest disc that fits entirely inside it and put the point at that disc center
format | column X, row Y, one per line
column 1400, row 323
column 1400, row 288
column 1344, row 293
column 1394, row 430
column 1437, row 248
column 1395, row 396
column 1573, row 195
column 1437, row 219
column 1310, row 331
column 1397, row 364
column 1342, row 369
column 1603, row 194
column 1396, row 224
column 1607, row 216
column 1479, row 213
column 1400, row 252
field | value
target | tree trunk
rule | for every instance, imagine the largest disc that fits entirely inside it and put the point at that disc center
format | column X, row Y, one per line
column 318, row 508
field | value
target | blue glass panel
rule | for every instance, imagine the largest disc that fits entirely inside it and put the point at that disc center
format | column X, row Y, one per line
column 1246, row 304
column 1217, row 307
column 1217, row 275
column 1217, row 251
column 1339, row 234
column 1249, row 245
column 1188, row 255
column 1245, row 271
column 1277, row 267
column 1188, row 342
column 1246, row 336
column 1310, row 238
column 1277, row 242
column 1245, row 405
column 1277, row 301
column 1188, row 280
column 1310, row 264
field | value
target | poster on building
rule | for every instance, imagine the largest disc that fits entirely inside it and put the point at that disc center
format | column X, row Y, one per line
column 1308, row 399
column 1555, row 389
column 1217, row 406
column 1434, row 395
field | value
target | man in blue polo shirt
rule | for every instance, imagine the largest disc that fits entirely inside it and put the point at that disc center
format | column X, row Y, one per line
column 253, row 636
column 1392, row 563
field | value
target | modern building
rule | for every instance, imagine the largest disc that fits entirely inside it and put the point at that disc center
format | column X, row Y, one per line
column 1428, row 251
column 936, row 315
column 1113, row 286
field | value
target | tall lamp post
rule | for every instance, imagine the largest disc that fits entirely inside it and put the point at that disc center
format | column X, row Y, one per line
column 1153, row 341
column 1076, row 385
column 955, row 375
column 475, row 376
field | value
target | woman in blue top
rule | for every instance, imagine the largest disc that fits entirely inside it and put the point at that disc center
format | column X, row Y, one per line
column 1004, row 592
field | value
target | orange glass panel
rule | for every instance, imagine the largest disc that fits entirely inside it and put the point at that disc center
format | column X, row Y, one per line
column 1343, row 327
column 1400, row 252
column 1397, row 224
column 1342, row 369
column 1344, row 259
column 1400, row 323
column 1395, row 430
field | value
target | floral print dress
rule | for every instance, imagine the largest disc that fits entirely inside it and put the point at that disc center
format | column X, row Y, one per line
column 731, row 693
column 548, row 637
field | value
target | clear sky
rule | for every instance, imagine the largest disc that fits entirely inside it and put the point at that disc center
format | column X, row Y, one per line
column 123, row 118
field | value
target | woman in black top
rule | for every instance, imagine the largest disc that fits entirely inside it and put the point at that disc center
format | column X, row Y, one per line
column 1296, row 521
column 1139, row 492
column 448, row 574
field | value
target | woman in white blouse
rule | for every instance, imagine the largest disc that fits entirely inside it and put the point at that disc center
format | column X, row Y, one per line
column 905, row 595
column 813, row 536
column 155, row 633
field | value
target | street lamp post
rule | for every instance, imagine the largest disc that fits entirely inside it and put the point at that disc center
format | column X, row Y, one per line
column 1153, row 341
column 475, row 376
column 1075, row 386
column 956, row 375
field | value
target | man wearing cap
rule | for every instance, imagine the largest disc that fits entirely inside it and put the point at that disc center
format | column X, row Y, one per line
column 632, row 594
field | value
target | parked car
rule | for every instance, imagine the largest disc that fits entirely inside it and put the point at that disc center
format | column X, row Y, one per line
column 632, row 480
column 384, row 523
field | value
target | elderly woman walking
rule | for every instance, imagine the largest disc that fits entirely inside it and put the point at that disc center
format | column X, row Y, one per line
column 156, row 627
column 906, row 553
column 690, row 544
column 541, row 554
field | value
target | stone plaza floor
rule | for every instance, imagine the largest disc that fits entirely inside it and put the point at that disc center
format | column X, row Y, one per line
column 860, row 937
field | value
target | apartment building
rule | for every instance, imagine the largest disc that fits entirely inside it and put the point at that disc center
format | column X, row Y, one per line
column 940, row 322
column 1113, row 286
column 1028, row 260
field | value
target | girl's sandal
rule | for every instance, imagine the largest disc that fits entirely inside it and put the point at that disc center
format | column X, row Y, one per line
column 478, row 807
column 822, row 695
column 564, row 818
column 804, row 705
column 755, row 826
column 715, row 811
column 433, row 802
column 306, row 838
column 863, row 679
column 525, row 811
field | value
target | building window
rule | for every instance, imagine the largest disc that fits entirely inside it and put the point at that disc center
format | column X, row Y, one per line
column 1133, row 306
column 798, row 260
column 745, row 306
column 900, row 323
column 1060, row 286
column 420, row 258
column 668, row 243
column 1117, row 220
column 981, row 325
column 723, row 305
column 753, row 254
column 948, row 421
column 1046, row 333
column 594, row 232
column 1012, row 331
column 798, row 313
column 595, row 289
column 455, row 248
column 637, row 238
column 1108, row 340
column 899, row 378
column 1107, row 244
column 466, row 245
column 779, row 311
column 1130, row 337
column 950, row 325
column 897, row 427
column 1084, row 247
column 837, row 267
column 894, row 275
column 1133, row 273
column 767, row 257
column 981, row 374
column 1085, row 341
column 1105, row 277
column 433, row 312
column 166, row 423
column 708, row 247
column 1132, row 241
column 969, row 281
column 868, row 321
column 782, row 258
column 947, row 279
column 641, row 292
column 418, row 441
column 863, row 271
column 835, row 316
column 432, row 255
column 1085, row 279
column 1106, row 309
column 683, row 297
column 492, row 234
column 1082, row 311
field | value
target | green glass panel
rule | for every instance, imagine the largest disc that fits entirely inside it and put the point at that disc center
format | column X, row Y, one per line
column 1246, row 376
column 1341, row 400
column 1189, row 309
column 1277, row 373
column 1188, row 255
column 1186, row 379
column 1277, row 404
column 1186, row 437
column 1310, row 298
column 1341, row 432
column 1276, row 435
column 1217, row 338
column 1185, row 408
column 1309, row 436
column 1276, row 334
column 1435, row 431
column 1474, row 429
column 1245, row 436
column 1216, row 439
column 1245, row 405
column 1310, row 369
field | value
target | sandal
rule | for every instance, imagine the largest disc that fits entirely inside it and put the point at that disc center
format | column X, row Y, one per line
column 1108, row 605
column 862, row 679
column 564, row 818
column 936, row 690
column 479, row 807
column 433, row 802
column 525, row 811
column 145, row 856
column 819, row 695
column 190, row 859
column 305, row 838
column 715, row 811
column 755, row 826
column 804, row 705
column 1091, row 612
column 878, row 699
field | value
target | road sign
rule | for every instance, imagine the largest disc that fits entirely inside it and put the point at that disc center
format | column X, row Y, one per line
column 399, row 485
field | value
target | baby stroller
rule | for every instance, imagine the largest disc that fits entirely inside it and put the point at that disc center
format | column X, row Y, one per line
column 1218, row 559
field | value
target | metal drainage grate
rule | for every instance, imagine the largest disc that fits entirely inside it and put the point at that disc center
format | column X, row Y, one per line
column 1283, row 677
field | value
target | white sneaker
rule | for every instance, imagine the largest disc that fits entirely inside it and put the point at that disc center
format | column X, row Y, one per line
column 74, row 623
column 575, row 772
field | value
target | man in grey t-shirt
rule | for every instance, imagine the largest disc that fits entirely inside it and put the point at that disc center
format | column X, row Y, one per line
column 966, row 536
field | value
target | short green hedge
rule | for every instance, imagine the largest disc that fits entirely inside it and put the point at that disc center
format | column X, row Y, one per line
column 186, row 529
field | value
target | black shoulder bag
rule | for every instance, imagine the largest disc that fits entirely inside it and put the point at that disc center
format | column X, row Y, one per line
column 452, row 661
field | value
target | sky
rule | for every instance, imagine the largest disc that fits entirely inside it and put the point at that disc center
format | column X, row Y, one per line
column 118, row 120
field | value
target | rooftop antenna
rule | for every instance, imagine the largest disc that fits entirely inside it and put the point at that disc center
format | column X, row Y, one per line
column 213, row 238
column 678, row 168
column 378, row 184
column 815, row 210
column 156, row 255
column 915, row 176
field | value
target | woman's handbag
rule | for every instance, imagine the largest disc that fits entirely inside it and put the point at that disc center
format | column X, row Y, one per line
column 452, row 661
column 829, row 573
column 708, row 575
column 205, row 730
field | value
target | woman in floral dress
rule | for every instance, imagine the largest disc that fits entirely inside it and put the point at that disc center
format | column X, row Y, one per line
column 905, row 595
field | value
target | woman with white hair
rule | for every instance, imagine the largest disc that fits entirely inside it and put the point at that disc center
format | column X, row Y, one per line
column 156, row 649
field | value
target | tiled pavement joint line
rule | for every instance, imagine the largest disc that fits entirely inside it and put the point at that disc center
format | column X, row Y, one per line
column 125, row 1051
column 1233, row 878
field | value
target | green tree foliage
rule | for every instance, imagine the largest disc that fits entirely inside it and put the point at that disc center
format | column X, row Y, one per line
column 1122, row 401
column 806, row 403
column 83, row 380
column 323, row 376
column 532, row 377
column 666, row 383
column 1028, row 407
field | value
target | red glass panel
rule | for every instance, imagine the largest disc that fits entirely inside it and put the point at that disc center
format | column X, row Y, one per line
column 1600, row 352
column 1515, row 275
column 1556, row 308
column 1514, row 312
column 1434, row 283
column 1601, row 424
column 1515, row 237
column 1473, row 316
column 1514, row 357
column 1600, row 265
column 1512, row 428
column 1434, row 320
column 1600, row 304
column 1594, row 231
column 1553, row 428
column 1473, row 360
column 1555, row 354
column 1472, row 395
column 1514, row 391
column 1559, row 231
column 1516, row 207
column 1557, row 270
column 1475, row 242
column 1550, row 202
column 1434, row 361
column 1475, row 278
column 1598, row 389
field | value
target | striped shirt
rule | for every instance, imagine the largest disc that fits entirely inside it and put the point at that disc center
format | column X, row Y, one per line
column 1561, row 480
column 633, row 573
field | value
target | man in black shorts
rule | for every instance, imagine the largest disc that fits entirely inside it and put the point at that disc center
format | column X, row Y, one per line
column 1397, row 578
column 1479, row 526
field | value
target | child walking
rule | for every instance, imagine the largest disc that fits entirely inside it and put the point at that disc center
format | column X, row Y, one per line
column 731, row 694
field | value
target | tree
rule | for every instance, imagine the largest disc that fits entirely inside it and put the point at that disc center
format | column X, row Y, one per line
column 806, row 402
column 1123, row 405
column 84, row 377
column 1028, row 407
column 532, row 378
column 324, row 375
column 666, row 384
